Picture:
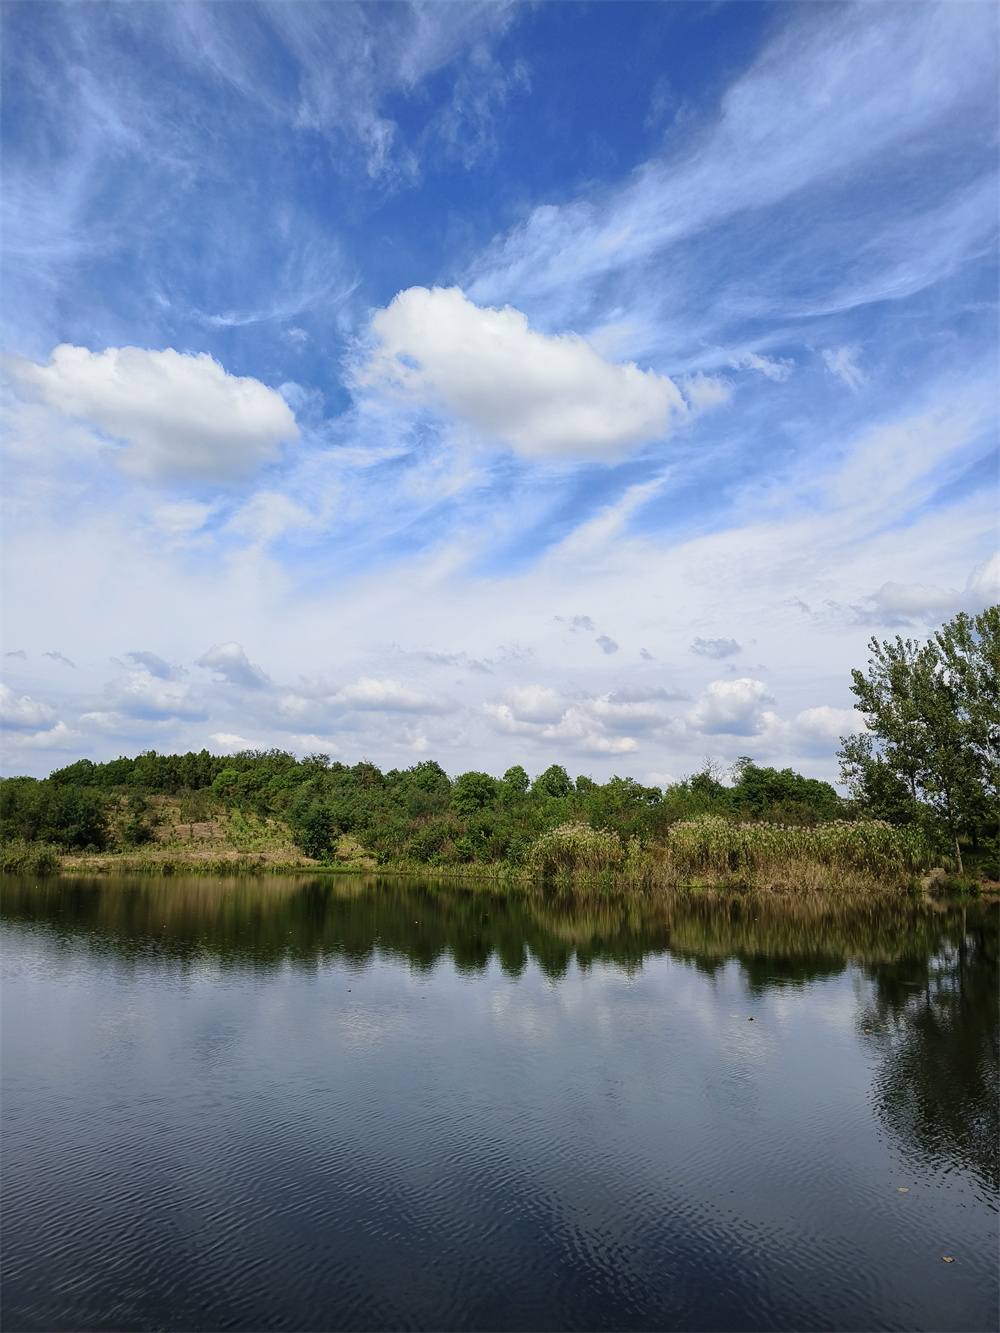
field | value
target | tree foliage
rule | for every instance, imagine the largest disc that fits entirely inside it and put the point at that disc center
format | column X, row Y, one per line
column 932, row 749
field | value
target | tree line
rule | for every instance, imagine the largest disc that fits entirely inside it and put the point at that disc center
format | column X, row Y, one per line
column 929, row 757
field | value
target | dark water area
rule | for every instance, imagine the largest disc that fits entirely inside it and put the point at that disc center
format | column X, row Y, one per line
column 364, row 1104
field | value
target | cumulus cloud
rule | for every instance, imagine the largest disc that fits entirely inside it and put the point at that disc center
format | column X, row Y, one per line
column 608, row 644
column 180, row 416
column 60, row 657
column 715, row 647
column 543, row 395
column 603, row 725
column 59, row 737
column 232, row 664
column 818, row 730
column 228, row 740
column 156, row 666
column 143, row 694
column 905, row 603
column 22, row 713
column 732, row 708
column 315, row 706
column 533, row 703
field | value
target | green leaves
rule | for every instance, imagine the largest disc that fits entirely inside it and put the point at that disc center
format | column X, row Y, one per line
column 933, row 717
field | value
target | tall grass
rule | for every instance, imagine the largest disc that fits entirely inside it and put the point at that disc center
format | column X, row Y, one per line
column 713, row 847
column 18, row 857
column 577, row 850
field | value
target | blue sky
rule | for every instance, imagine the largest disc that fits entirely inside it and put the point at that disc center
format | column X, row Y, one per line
column 492, row 382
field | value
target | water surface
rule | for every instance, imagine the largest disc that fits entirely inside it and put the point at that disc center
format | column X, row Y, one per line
column 367, row 1104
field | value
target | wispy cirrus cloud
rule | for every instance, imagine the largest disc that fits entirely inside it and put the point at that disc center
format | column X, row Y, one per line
column 857, row 79
column 801, row 255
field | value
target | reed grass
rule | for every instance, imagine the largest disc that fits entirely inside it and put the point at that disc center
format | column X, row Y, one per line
column 871, row 849
column 577, row 850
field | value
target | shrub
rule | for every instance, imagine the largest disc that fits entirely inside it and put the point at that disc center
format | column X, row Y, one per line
column 465, row 849
column 19, row 857
column 314, row 833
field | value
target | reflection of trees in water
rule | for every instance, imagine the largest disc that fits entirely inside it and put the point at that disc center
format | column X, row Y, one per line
column 267, row 923
column 934, row 1013
column 938, row 1085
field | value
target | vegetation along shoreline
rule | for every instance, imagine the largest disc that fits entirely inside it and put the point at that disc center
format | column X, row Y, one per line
column 920, row 814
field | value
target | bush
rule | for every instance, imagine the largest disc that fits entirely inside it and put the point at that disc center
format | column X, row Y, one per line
column 314, row 832
column 465, row 849
column 28, row 858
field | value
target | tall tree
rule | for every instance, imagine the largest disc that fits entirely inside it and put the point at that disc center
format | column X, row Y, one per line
column 933, row 719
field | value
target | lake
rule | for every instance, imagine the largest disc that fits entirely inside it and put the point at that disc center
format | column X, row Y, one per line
column 363, row 1103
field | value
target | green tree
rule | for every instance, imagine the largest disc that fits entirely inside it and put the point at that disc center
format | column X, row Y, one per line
column 555, row 781
column 932, row 715
column 315, row 831
column 473, row 792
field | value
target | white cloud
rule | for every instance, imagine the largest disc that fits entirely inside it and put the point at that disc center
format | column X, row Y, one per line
column 156, row 666
column 387, row 696
column 227, row 740
column 732, row 707
column 715, row 647
column 772, row 369
column 59, row 737
column 180, row 416
column 268, row 515
column 705, row 391
column 578, row 733
column 22, row 713
column 542, row 395
column 818, row 730
column 145, row 694
column 183, row 517
column 109, row 722
column 904, row 603
column 835, row 89
column 533, row 703
column 843, row 364
column 233, row 665
column 590, row 725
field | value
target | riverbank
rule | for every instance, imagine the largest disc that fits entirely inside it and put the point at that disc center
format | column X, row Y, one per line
column 748, row 860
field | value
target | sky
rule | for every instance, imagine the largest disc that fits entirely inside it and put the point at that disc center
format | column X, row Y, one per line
column 496, row 383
